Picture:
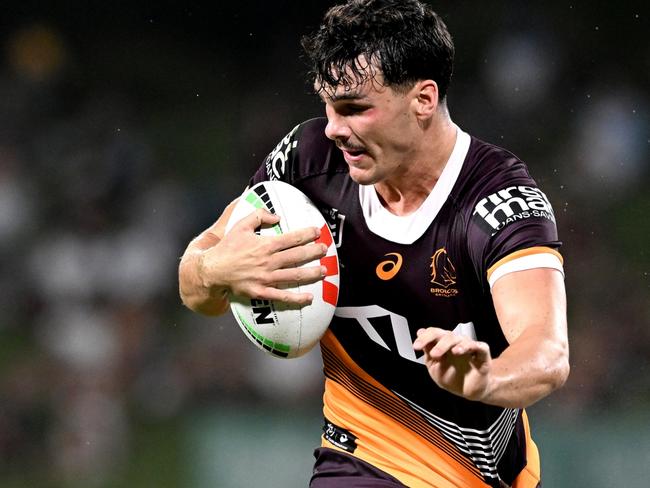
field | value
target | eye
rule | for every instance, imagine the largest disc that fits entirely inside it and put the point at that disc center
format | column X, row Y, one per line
column 353, row 108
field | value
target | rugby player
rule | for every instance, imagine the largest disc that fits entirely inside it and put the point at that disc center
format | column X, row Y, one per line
column 451, row 316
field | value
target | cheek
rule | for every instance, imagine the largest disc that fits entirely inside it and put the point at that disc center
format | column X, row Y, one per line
column 384, row 132
column 397, row 138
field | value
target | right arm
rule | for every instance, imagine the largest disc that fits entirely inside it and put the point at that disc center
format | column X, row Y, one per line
column 216, row 265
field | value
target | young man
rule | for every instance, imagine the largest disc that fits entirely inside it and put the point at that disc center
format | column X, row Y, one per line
column 451, row 316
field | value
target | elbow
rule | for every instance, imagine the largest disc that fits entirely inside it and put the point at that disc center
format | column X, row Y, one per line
column 203, row 306
column 188, row 301
column 559, row 368
column 563, row 373
column 197, row 297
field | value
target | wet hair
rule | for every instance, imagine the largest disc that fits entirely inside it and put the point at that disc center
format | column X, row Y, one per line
column 404, row 39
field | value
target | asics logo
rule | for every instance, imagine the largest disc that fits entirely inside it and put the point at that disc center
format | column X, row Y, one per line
column 388, row 268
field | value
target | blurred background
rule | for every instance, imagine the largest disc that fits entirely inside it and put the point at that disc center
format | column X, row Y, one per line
column 126, row 127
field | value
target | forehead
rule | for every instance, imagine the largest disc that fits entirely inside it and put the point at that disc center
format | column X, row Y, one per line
column 360, row 79
column 359, row 89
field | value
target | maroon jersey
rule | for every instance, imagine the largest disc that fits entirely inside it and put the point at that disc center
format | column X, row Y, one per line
column 484, row 217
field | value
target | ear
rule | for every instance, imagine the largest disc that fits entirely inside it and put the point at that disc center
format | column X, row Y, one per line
column 425, row 98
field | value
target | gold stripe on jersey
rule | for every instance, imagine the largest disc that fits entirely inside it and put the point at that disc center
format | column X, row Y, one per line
column 386, row 402
column 520, row 254
column 530, row 476
column 390, row 435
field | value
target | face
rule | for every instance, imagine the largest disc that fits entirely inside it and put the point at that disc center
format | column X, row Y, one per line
column 374, row 126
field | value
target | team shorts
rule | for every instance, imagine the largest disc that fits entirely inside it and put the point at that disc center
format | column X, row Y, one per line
column 334, row 469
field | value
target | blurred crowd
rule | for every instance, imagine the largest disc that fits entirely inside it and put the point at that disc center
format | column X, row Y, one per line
column 109, row 167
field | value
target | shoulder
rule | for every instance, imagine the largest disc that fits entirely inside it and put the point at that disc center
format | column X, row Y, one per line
column 305, row 151
column 491, row 174
column 312, row 133
column 501, row 188
column 495, row 189
column 504, row 209
column 490, row 166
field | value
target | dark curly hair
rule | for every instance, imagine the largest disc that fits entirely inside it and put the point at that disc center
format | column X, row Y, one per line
column 405, row 39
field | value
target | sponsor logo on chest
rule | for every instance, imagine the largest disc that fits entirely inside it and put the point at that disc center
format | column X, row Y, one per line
column 444, row 277
column 388, row 268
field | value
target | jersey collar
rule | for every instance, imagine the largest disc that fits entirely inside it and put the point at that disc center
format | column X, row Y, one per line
column 406, row 229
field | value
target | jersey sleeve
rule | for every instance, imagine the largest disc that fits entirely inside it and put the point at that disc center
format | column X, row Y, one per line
column 512, row 228
column 280, row 162
column 302, row 153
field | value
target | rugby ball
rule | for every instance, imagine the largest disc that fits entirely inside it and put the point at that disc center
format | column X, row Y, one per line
column 283, row 330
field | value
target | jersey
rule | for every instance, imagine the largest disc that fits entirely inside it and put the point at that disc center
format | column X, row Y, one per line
column 485, row 217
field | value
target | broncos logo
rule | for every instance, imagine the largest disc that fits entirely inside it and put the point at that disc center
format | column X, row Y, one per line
column 443, row 272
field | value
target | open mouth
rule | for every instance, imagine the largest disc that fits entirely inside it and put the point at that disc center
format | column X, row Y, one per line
column 352, row 152
column 353, row 157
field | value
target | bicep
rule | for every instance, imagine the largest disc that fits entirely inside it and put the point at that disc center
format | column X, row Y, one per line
column 533, row 300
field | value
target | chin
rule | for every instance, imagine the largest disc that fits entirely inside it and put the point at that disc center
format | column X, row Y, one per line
column 362, row 177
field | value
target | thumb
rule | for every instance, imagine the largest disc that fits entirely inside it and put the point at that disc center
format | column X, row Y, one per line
column 256, row 219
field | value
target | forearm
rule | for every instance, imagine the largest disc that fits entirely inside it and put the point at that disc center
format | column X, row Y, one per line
column 196, row 293
column 531, row 308
column 243, row 263
column 527, row 371
column 199, row 288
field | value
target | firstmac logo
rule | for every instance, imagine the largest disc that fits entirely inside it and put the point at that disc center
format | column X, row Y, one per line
column 499, row 209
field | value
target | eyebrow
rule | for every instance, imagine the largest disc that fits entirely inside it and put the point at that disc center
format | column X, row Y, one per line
column 343, row 96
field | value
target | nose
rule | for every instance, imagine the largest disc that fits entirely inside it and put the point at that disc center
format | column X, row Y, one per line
column 336, row 128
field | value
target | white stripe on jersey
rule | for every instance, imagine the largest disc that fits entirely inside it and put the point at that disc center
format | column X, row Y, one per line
column 484, row 447
column 532, row 261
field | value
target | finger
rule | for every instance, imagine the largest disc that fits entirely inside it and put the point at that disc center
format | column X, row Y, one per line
column 466, row 346
column 257, row 218
column 297, row 256
column 295, row 238
column 308, row 274
column 427, row 338
column 284, row 296
column 480, row 353
column 444, row 345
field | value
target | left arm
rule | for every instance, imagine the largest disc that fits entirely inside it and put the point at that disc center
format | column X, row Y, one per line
column 531, row 308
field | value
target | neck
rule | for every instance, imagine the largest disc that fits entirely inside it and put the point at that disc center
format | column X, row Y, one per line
column 404, row 193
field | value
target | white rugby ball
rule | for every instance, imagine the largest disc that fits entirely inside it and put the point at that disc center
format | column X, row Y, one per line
column 283, row 330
